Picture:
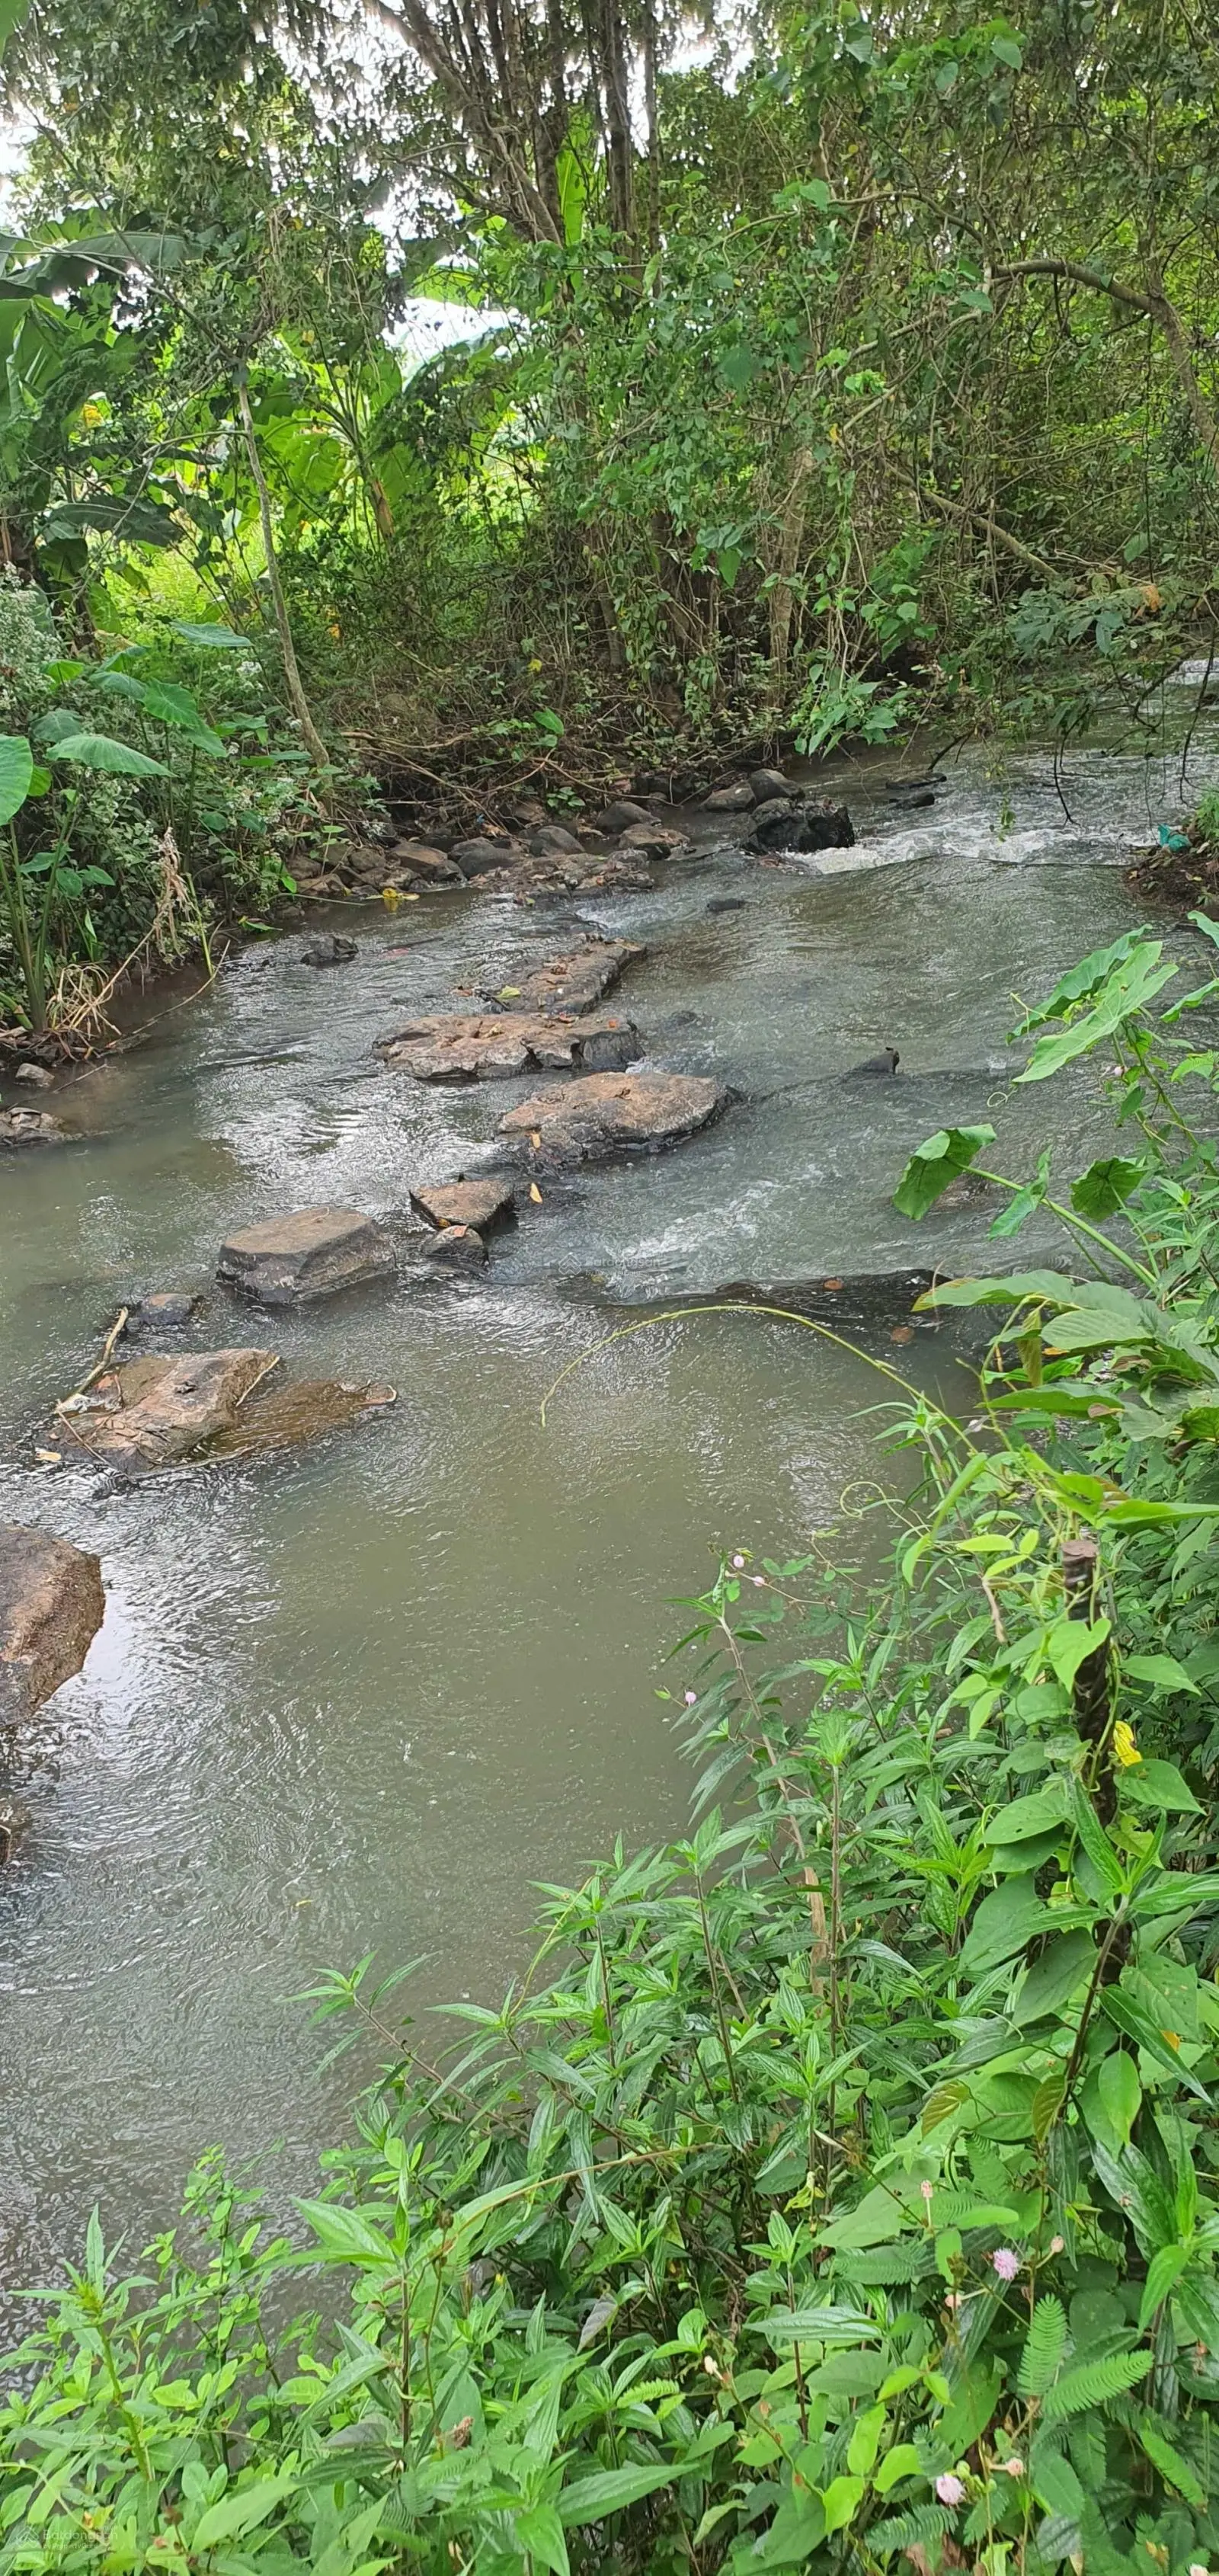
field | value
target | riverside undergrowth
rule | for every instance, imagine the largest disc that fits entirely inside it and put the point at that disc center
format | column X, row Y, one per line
column 840, row 2187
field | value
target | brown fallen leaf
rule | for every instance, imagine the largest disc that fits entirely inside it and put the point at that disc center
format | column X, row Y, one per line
column 902, row 1333
column 535, row 1193
column 832, row 1283
column 535, row 1140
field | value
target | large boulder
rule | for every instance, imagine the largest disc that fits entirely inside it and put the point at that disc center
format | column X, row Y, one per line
column 571, row 984
column 819, row 823
column 153, row 1411
column 490, row 1046
column 309, row 1254
column 51, row 1607
column 766, row 784
column 480, row 1204
column 602, row 1113
column 736, row 799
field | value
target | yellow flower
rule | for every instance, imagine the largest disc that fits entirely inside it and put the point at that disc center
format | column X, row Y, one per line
column 391, row 898
column 1125, row 1750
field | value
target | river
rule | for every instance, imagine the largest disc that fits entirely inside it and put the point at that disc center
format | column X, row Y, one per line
column 358, row 1698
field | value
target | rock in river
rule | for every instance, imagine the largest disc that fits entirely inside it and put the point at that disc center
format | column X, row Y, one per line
column 574, row 983
column 309, row 1254
column 818, row 824
column 462, row 1245
column 30, row 1127
column 51, row 1607
column 328, row 949
column 152, row 1411
column 603, row 1112
column 489, row 1046
column 480, row 1204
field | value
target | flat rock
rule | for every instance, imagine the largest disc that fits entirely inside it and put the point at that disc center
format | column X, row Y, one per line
column 153, row 1411
column 38, row 1076
column 603, row 1112
column 490, row 1046
column 308, row 1254
column 766, row 784
column 30, row 1127
column 328, row 949
column 574, row 983
column 480, row 1204
column 736, row 799
column 51, row 1607
column 563, row 872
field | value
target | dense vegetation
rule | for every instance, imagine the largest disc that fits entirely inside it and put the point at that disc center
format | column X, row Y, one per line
column 802, row 378
column 839, row 2187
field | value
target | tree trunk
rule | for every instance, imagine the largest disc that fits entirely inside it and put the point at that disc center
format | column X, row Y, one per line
column 312, row 739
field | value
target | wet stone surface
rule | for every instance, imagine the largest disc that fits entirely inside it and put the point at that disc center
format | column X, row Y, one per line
column 51, row 1607
column 491, row 1046
column 310, row 1254
column 606, row 1113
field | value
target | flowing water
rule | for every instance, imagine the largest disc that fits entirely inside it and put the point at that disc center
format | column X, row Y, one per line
column 357, row 1697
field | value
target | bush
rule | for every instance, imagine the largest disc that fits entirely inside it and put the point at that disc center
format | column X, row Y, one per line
column 840, row 2187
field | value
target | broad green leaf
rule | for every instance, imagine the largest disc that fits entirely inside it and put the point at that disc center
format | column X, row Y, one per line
column 1158, row 1784
column 240, row 2510
column 1005, row 1920
column 901, row 2462
column 1051, row 1285
column 1083, row 980
column 16, row 772
column 1121, row 2094
column 212, row 639
column 1106, row 1186
column 1095, row 1840
column 1025, row 1817
column 1163, row 2273
column 1069, row 1644
column 1130, row 2018
column 540, row 2533
column 1129, row 989
column 840, row 2503
column 100, row 751
column 609, row 2491
column 1065, row 1964
column 1162, row 1672
column 969, row 2410
column 946, row 1154
column 865, row 2441
column 1006, row 50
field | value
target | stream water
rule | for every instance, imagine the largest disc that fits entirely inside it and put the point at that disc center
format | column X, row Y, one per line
column 358, row 1697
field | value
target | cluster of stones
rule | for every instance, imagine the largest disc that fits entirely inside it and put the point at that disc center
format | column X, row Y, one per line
column 781, row 817
column 610, row 853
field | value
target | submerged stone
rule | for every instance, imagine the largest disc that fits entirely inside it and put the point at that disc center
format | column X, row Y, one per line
column 309, row 1254
column 51, row 1607
column 603, row 1113
column 481, row 1204
column 484, row 1046
column 328, row 949
column 574, row 983
column 462, row 1245
column 819, row 823
column 166, row 1306
column 153, row 1411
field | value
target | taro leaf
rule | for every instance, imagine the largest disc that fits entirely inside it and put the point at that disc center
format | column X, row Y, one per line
column 1048, row 1284
column 212, row 639
column 57, row 725
column 1158, row 1784
column 1004, row 1922
column 1083, row 981
column 100, row 751
column 16, row 772
column 1107, row 1185
column 1128, row 990
column 946, row 1154
column 1053, row 1978
column 1028, row 1816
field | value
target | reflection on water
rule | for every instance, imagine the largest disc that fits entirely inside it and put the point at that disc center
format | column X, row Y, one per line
column 358, row 1697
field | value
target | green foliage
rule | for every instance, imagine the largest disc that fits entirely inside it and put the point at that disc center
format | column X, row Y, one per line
column 840, row 2181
